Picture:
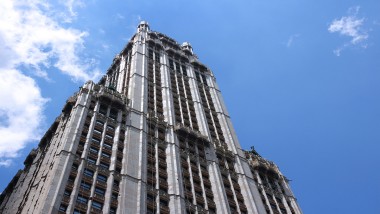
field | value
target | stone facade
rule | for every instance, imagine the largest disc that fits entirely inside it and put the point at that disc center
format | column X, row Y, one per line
column 153, row 136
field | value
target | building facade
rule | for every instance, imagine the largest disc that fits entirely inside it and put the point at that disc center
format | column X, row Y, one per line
column 152, row 136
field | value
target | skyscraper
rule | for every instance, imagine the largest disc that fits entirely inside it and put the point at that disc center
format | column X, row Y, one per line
column 153, row 136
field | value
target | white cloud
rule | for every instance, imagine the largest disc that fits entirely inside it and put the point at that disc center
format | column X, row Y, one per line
column 35, row 39
column 350, row 26
column 291, row 40
column 32, row 41
column 21, row 106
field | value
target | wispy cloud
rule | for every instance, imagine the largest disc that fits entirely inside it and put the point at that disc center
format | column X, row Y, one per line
column 33, row 42
column 350, row 26
column 69, row 13
column 71, row 4
column 291, row 40
column 102, row 31
column 5, row 163
column 119, row 16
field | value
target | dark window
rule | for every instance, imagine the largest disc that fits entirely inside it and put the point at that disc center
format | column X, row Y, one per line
column 85, row 185
column 99, row 191
column 274, row 207
column 157, row 56
column 164, row 203
column 71, row 178
column 150, row 198
column 110, row 127
column 88, row 172
column 104, row 165
column 63, row 208
column 107, row 145
column 103, row 109
column 67, row 193
column 104, row 154
column 102, row 178
column 113, row 114
column 114, row 196
column 97, row 205
column 91, row 160
column 94, row 150
column 118, row 169
column 112, row 210
column 99, row 122
column 184, row 70
column 95, row 140
column 74, row 166
column 82, row 200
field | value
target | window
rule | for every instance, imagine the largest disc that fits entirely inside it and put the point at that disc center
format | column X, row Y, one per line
column 171, row 64
column 150, row 197
column 118, row 169
column 104, row 165
column 85, row 185
column 94, row 140
column 97, row 131
column 109, row 137
column 88, row 173
column 113, row 114
column 97, row 205
column 111, row 128
column 62, row 208
column 120, row 159
column 91, row 160
column 184, row 70
column 82, row 200
column 112, row 210
column 102, row 178
column 74, row 166
column 67, row 193
column 103, row 109
column 274, row 207
column 164, row 203
column 78, row 212
column 94, row 150
column 108, row 146
column 114, row 196
column 99, row 191
column 104, row 154
column 71, row 179
column 98, row 122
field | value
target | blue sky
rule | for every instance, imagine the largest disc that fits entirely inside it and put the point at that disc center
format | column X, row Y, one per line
column 300, row 80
